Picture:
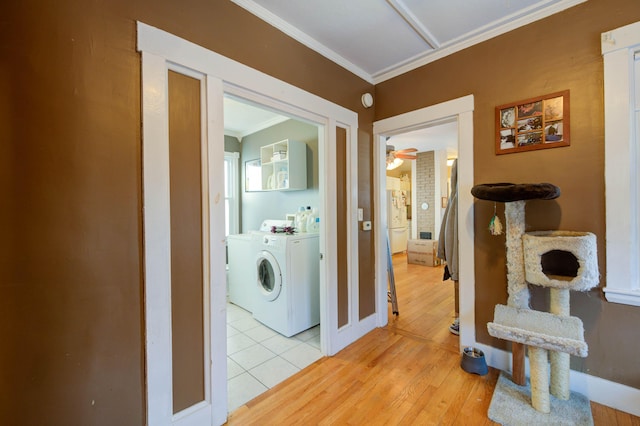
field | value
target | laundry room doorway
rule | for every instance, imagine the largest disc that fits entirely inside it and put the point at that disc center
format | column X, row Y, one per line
column 273, row 309
column 213, row 76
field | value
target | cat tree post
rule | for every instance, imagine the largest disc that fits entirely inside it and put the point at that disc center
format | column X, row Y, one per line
column 515, row 196
column 538, row 360
column 516, row 285
column 559, row 305
column 518, row 292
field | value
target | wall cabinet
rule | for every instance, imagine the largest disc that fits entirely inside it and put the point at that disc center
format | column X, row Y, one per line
column 284, row 166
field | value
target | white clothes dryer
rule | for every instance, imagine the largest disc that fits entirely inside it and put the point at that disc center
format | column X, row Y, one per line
column 242, row 275
column 288, row 282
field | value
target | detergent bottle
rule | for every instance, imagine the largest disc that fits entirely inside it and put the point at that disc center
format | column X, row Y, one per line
column 313, row 221
column 301, row 220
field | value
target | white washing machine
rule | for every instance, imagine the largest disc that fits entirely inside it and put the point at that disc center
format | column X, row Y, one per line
column 288, row 282
column 242, row 274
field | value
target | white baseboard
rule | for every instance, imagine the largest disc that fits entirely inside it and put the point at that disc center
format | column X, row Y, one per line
column 605, row 392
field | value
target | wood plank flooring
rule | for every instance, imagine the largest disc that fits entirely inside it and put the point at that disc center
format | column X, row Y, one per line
column 407, row 373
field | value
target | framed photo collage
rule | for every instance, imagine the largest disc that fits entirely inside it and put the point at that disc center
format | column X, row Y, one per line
column 536, row 123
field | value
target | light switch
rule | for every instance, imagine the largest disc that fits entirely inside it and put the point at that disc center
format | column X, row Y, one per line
column 360, row 215
column 366, row 225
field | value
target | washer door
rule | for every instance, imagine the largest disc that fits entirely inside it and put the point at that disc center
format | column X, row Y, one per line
column 269, row 276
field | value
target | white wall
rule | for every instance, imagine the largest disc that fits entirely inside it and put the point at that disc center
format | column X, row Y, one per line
column 258, row 206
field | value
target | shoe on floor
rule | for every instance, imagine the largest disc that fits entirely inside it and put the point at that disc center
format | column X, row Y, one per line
column 455, row 327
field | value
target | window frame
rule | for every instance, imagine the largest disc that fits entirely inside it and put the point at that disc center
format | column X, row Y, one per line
column 621, row 54
column 233, row 182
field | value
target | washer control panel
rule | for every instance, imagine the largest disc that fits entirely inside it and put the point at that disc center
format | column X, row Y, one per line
column 273, row 241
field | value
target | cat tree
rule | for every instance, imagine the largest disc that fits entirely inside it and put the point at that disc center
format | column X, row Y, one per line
column 553, row 335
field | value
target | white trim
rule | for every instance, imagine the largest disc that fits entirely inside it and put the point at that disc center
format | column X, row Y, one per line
column 234, row 183
column 414, row 22
column 621, row 164
column 256, row 128
column 328, row 264
column 155, row 157
column 615, row 295
column 197, row 414
column 462, row 110
column 233, row 73
column 413, row 232
column 157, row 246
column 203, row 410
column 218, row 282
column 209, row 251
column 355, row 326
column 224, row 75
column 620, row 39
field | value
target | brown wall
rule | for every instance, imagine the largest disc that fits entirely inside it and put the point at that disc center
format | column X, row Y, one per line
column 342, row 219
column 187, row 268
column 560, row 52
column 71, row 311
column 366, row 249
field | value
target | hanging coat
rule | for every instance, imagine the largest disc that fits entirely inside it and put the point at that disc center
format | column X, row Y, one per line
column 448, row 238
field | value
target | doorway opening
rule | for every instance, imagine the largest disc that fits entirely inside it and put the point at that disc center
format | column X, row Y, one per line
column 460, row 112
column 418, row 189
column 267, row 342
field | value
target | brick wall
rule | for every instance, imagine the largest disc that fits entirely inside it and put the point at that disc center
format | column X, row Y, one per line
column 425, row 192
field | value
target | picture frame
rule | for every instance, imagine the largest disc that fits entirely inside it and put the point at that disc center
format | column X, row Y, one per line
column 253, row 175
column 536, row 123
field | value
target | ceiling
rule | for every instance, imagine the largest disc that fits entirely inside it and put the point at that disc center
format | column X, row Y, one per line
column 242, row 119
column 380, row 39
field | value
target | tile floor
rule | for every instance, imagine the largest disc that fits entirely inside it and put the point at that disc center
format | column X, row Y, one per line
column 258, row 358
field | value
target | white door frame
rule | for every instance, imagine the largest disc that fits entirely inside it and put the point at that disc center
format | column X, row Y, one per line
column 460, row 109
column 161, row 51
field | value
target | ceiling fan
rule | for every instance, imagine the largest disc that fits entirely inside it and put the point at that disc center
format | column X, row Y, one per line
column 395, row 158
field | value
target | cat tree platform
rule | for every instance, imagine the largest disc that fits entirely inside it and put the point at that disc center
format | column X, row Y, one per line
column 540, row 329
column 581, row 245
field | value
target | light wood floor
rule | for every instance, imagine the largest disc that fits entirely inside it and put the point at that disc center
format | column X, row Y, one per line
column 407, row 373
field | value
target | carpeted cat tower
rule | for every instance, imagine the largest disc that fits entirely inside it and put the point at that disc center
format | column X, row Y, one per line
column 551, row 337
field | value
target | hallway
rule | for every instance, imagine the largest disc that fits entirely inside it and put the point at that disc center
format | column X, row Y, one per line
column 415, row 351
column 406, row 373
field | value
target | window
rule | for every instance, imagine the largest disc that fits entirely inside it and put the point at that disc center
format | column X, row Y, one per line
column 231, row 193
column 621, row 52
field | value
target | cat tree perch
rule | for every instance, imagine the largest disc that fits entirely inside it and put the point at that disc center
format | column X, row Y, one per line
column 553, row 335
